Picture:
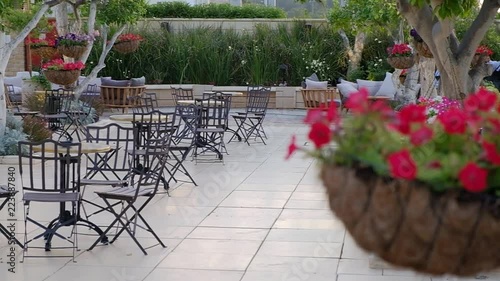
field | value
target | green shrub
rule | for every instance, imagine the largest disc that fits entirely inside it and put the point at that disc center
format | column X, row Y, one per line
column 209, row 55
column 13, row 134
column 212, row 10
column 36, row 129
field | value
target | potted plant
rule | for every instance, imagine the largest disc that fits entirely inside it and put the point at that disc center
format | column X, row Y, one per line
column 63, row 73
column 482, row 55
column 127, row 43
column 73, row 45
column 400, row 56
column 419, row 195
column 420, row 45
column 45, row 48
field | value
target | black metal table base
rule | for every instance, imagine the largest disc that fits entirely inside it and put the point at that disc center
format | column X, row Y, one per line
column 67, row 220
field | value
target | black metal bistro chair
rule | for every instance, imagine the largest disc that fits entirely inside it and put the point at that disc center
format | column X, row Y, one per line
column 181, row 94
column 50, row 173
column 153, row 125
column 110, row 168
column 211, row 126
column 143, row 183
column 250, row 122
column 54, row 111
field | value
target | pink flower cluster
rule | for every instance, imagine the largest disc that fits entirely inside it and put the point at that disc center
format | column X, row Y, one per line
column 399, row 50
column 129, row 37
column 59, row 64
column 437, row 106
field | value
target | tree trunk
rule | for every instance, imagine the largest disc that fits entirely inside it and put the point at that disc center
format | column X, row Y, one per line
column 427, row 68
column 355, row 53
column 6, row 49
column 407, row 93
column 453, row 58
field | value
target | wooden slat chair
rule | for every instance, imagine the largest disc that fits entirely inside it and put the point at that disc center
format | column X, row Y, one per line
column 121, row 97
column 320, row 98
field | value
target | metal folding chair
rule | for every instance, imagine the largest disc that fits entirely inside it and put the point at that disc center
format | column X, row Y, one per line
column 143, row 183
column 54, row 111
column 212, row 124
column 250, row 122
column 110, row 168
column 54, row 179
column 181, row 94
column 153, row 125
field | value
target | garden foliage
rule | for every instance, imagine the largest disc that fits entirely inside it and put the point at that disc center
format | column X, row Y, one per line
column 212, row 10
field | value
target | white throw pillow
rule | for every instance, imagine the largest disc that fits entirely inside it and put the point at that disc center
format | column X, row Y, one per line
column 346, row 89
column 372, row 86
column 310, row 84
column 342, row 81
column 387, row 89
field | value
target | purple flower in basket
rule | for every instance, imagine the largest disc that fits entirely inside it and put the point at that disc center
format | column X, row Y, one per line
column 415, row 35
column 72, row 39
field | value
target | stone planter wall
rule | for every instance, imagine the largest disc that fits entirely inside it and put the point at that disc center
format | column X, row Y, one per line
column 281, row 97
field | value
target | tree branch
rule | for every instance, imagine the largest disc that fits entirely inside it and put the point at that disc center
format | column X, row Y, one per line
column 106, row 48
column 29, row 27
column 476, row 32
column 90, row 29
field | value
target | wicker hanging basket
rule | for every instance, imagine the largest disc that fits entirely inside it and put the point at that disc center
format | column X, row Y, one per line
column 401, row 62
column 62, row 77
column 407, row 225
column 423, row 50
column 126, row 47
column 45, row 52
column 478, row 59
column 72, row 51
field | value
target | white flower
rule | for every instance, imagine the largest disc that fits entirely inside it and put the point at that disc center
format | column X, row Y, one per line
column 438, row 98
column 375, row 64
column 432, row 119
column 380, row 60
column 243, row 62
column 230, row 48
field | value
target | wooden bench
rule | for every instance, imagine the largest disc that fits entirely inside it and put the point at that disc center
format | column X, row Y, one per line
column 320, row 98
column 122, row 97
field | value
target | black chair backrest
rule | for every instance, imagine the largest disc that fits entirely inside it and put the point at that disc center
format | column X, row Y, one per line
column 57, row 101
column 182, row 94
column 150, row 165
column 153, row 125
column 214, row 111
column 50, row 166
column 258, row 100
column 120, row 139
column 152, row 100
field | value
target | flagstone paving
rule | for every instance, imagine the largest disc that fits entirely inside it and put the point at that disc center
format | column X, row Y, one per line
column 255, row 218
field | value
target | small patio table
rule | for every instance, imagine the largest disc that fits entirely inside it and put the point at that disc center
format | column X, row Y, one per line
column 64, row 215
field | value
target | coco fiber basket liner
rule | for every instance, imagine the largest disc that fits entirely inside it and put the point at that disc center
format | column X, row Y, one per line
column 407, row 225
column 45, row 52
column 126, row 47
column 62, row 77
column 72, row 51
column 401, row 62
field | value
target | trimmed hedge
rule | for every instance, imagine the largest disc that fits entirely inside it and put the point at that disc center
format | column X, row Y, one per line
column 213, row 10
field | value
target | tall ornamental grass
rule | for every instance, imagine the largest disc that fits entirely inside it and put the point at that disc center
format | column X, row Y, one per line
column 209, row 55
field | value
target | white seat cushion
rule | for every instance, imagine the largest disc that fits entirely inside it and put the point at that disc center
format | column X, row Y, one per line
column 372, row 86
column 346, row 89
column 310, row 84
column 387, row 89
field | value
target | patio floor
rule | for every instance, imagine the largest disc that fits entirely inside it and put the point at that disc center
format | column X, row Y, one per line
column 255, row 218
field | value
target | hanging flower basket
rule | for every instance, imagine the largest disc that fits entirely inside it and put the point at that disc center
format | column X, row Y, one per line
column 401, row 62
column 126, row 47
column 62, row 77
column 407, row 225
column 72, row 51
column 45, row 52
column 423, row 49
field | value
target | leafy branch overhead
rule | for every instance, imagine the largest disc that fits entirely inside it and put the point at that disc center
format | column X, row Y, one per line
column 447, row 8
